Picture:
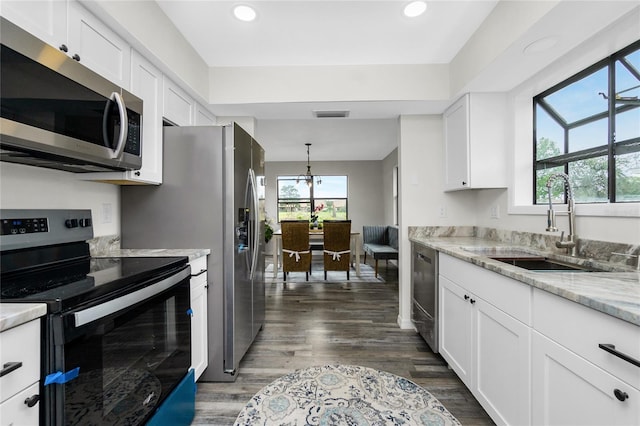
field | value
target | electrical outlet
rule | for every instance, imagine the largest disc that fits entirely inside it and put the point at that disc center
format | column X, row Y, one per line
column 443, row 211
column 107, row 213
column 495, row 212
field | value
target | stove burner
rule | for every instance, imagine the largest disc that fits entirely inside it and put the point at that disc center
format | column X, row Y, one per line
column 24, row 285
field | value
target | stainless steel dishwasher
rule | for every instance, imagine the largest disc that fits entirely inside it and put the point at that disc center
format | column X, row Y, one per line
column 424, row 283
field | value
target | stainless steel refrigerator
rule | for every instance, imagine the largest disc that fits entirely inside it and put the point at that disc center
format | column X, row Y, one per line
column 212, row 196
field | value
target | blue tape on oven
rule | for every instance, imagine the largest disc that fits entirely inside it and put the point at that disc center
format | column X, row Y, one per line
column 60, row 377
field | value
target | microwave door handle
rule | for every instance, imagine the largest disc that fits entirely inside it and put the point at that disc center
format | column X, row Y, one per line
column 124, row 124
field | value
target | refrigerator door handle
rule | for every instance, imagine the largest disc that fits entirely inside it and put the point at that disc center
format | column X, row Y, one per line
column 255, row 231
column 247, row 224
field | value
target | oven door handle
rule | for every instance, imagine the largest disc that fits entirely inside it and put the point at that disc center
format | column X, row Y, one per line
column 102, row 310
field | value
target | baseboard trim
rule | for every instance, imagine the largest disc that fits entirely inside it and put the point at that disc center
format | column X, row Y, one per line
column 405, row 324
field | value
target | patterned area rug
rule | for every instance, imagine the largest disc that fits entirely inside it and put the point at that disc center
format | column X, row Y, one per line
column 344, row 395
column 367, row 275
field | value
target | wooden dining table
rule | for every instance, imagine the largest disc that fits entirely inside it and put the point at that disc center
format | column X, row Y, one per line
column 315, row 235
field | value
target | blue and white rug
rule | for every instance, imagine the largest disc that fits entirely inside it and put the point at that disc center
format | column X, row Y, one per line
column 344, row 395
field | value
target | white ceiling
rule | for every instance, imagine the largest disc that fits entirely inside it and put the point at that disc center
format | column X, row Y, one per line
column 360, row 32
column 342, row 32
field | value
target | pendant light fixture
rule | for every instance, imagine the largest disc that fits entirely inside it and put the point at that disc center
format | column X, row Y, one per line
column 308, row 177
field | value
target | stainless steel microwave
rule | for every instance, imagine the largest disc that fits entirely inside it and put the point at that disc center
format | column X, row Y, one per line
column 56, row 113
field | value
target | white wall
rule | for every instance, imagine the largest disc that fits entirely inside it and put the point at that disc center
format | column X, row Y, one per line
column 27, row 187
column 388, row 165
column 365, row 187
column 421, row 159
column 607, row 222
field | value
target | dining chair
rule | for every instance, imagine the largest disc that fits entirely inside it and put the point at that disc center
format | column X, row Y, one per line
column 337, row 246
column 296, row 253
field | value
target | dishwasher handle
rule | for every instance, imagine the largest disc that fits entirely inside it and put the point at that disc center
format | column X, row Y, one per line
column 424, row 258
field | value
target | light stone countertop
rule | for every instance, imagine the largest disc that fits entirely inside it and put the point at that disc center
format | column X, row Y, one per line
column 191, row 253
column 15, row 314
column 616, row 293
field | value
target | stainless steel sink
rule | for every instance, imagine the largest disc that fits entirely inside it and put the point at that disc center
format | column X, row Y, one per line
column 542, row 264
column 530, row 260
column 496, row 252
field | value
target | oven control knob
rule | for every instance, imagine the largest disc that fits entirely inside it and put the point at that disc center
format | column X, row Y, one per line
column 71, row 223
column 85, row 222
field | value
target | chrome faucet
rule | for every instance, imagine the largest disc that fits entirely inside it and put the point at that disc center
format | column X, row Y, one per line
column 570, row 242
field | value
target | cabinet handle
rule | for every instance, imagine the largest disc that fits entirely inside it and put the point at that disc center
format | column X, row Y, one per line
column 621, row 395
column 137, row 173
column 64, row 48
column 612, row 350
column 202, row 271
column 76, row 57
column 464, row 183
column 473, row 301
column 33, row 400
column 466, row 297
column 8, row 367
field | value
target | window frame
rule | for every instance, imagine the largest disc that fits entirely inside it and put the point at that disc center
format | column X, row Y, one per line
column 612, row 146
column 312, row 200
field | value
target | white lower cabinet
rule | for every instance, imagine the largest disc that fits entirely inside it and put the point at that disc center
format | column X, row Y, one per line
column 568, row 390
column 489, row 350
column 575, row 381
column 456, row 329
column 502, row 362
column 19, row 383
column 199, row 346
column 534, row 358
column 16, row 412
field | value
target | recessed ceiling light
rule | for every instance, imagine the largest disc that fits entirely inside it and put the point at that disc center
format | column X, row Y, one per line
column 244, row 13
column 415, row 8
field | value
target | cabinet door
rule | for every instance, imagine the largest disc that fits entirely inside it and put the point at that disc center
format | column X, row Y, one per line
column 199, row 347
column 204, row 117
column 568, row 390
column 456, row 128
column 178, row 106
column 146, row 83
column 456, row 329
column 502, row 364
column 98, row 48
column 19, row 349
column 16, row 412
column 46, row 19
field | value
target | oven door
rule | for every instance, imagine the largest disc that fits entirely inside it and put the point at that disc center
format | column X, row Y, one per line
column 119, row 359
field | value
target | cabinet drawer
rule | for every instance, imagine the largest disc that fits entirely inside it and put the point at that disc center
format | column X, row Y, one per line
column 198, row 271
column 16, row 412
column 20, row 344
column 507, row 294
column 582, row 329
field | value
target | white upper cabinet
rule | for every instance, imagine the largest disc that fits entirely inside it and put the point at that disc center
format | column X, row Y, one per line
column 146, row 83
column 179, row 107
column 204, row 117
column 97, row 47
column 46, row 19
column 475, row 142
column 68, row 26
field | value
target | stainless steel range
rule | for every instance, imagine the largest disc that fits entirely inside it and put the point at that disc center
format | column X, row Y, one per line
column 117, row 335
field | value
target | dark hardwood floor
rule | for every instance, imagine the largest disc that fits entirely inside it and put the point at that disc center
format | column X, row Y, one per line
column 316, row 323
